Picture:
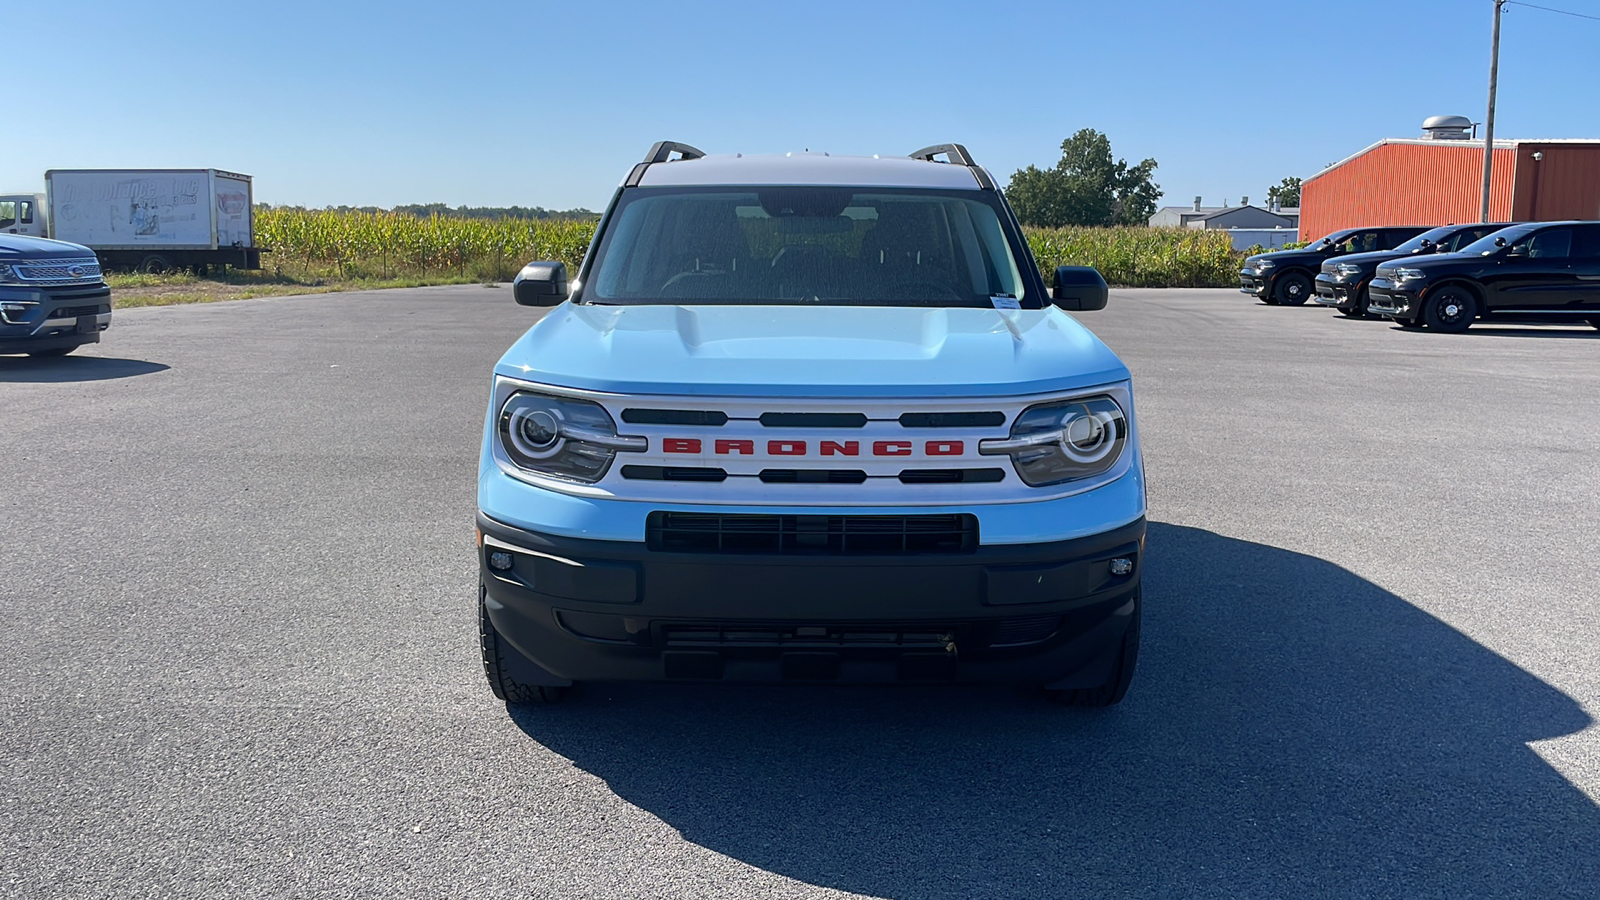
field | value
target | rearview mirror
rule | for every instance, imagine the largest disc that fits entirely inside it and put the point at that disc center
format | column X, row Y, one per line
column 541, row 284
column 1079, row 288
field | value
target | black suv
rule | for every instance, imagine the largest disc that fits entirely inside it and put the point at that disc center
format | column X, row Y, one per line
column 1283, row 277
column 1342, row 283
column 52, row 296
column 1543, row 272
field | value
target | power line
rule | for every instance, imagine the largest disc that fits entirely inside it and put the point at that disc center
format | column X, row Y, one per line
column 1548, row 9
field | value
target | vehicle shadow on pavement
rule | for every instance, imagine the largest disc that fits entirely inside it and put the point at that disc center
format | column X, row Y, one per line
column 65, row 369
column 1585, row 333
column 1293, row 730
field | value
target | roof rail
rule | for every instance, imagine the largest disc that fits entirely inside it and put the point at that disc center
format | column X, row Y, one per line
column 957, row 155
column 954, row 152
column 663, row 150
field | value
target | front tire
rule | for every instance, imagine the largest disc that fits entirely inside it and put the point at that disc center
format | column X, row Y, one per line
column 1292, row 289
column 1116, row 687
column 500, row 662
column 1450, row 309
column 1359, row 311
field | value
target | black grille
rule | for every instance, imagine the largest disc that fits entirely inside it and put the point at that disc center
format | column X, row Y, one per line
column 952, row 476
column 900, row 635
column 681, row 532
column 952, row 420
column 673, row 473
column 1026, row 630
column 813, row 476
column 708, row 417
column 813, row 420
column 74, row 311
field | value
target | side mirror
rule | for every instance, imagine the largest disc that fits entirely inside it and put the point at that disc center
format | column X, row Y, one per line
column 1516, row 253
column 1079, row 288
column 541, row 284
column 1499, row 242
column 1426, row 246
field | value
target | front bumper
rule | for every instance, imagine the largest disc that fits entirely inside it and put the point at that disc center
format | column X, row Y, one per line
column 33, row 319
column 1333, row 292
column 1254, row 283
column 588, row 610
column 1386, row 298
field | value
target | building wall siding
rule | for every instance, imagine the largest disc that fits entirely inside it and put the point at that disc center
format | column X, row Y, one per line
column 1406, row 184
column 1563, row 185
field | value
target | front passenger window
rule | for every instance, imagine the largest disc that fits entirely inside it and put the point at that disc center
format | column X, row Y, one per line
column 1553, row 244
column 1586, row 243
column 8, row 213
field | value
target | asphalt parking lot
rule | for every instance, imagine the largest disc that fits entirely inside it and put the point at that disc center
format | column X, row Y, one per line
column 240, row 656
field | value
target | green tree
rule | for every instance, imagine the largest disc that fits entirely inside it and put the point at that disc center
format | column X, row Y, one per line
column 1086, row 187
column 1286, row 192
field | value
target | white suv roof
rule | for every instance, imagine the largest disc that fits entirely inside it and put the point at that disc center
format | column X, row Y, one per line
column 811, row 169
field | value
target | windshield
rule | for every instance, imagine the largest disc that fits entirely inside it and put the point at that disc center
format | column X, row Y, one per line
column 814, row 245
column 1432, row 236
column 1486, row 244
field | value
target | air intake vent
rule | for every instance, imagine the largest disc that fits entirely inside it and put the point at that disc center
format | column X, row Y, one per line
column 952, row 476
column 708, row 417
column 813, row 476
column 953, row 420
column 680, row 532
column 814, row 420
column 673, row 473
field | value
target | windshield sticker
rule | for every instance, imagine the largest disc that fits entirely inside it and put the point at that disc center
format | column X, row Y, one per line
column 1005, row 301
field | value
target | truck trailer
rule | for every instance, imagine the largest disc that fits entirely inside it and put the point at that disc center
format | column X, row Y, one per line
column 150, row 220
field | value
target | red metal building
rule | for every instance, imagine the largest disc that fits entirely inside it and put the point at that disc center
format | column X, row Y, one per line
column 1438, row 182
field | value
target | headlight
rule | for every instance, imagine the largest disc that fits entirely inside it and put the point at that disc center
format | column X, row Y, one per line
column 1064, row 441
column 1349, row 269
column 562, row 437
column 1409, row 274
column 8, row 275
column 1264, row 264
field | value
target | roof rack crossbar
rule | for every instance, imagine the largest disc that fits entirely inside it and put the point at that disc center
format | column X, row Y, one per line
column 663, row 150
column 955, row 152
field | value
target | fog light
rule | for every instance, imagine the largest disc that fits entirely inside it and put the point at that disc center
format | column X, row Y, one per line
column 500, row 561
column 1119, row 566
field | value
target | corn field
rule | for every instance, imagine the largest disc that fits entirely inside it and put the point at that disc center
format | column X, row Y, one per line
column 1141, row 257
column 383, row 245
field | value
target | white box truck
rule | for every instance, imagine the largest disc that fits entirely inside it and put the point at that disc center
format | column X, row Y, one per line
column 151, row 220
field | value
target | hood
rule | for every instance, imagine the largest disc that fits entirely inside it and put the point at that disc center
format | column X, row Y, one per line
column 16, row 246
column 1374, row 257
column 1303, row 254
column 809, row 351
column 1428, row 260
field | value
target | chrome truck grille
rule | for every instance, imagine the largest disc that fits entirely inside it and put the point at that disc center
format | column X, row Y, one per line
column 48, row 272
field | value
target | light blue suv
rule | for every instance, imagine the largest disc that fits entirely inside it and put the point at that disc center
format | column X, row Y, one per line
column 810, row 418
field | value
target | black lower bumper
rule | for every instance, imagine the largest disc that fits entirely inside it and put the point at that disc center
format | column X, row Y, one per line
column 585, row 610
column 1390, row 302
column 1335, row 293
column 1255, row 285
column 41, row 344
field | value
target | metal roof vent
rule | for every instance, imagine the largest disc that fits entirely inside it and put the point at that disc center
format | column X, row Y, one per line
column 1447, row 128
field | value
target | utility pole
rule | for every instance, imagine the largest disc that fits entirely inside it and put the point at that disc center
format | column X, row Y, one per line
column 1488, row 123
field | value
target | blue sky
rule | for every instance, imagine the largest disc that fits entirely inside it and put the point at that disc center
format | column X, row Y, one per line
column 496, row 102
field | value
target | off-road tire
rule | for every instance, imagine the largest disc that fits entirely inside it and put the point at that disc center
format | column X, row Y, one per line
column 497, row 665
column 1450, row 309
column 1292, row 289
column 1112, row 692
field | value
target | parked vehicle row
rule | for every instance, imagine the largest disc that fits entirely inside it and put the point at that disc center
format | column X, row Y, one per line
column 1286, row 277
column 1445, row 278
